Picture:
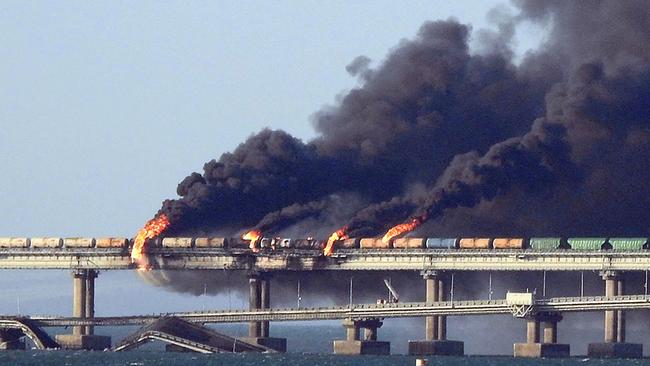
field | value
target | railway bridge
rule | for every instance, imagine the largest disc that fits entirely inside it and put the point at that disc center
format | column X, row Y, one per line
column 435, row 266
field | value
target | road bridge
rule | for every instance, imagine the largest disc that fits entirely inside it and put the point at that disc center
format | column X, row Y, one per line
column 362, row 311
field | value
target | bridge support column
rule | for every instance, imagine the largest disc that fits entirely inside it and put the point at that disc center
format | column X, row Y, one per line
column 620, row 314
column 352, row 345
column 10, row 339
column 254, row 303
column 614, row 346
column 435, row 338
column 533, row 346
column 260, row 298
column 83, row 306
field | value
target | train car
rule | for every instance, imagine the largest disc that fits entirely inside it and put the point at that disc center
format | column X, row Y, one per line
column 373, row 243
column 266, row 243
column 14, row 242
column 303, row 243
column 209, row 242
column 351, row 243
column 587, row 244
column 408, row 243
column 474, row 243
column 441, row 243
column 286, row 243
column 627, row 244
column 238, row 243
column 181, row 242
column 545, row 244
column 46, row 242
column 508, row 243
column 79, row 242
column 111, row 242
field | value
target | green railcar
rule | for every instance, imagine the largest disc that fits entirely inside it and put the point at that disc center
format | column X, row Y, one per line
column 545, row 243
column 586, row 244
column 627, row 244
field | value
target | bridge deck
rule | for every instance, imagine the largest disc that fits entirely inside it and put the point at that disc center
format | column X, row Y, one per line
column 371, row 260
column 413, row 309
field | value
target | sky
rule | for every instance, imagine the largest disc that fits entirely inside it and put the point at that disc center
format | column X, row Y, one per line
column 105, row 106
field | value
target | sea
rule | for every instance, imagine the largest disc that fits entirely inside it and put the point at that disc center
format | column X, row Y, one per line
column 308, row 345
column 155, row 358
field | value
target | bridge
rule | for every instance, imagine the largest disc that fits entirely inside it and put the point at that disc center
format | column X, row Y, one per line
column 435, row 265
column 342, row 260
column 364, row 311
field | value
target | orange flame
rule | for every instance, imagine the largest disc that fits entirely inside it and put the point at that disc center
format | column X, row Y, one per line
column 403, row 228
column 151, row 229
column 340, row 234
column 253, row 236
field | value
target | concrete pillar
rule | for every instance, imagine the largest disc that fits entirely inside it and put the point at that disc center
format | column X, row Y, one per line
column 549, row 328
column 90, row 299
column 351, row 330
column 615, row 345
column 550, row 331
column 79, row 299
column 620, row 314
column 254, row 303
column 549, row 348
column 265, row 294
column 431, row 322
column 368, row 346
column 532, row 330
column 611, row 287
column 83, row 306
column 370, row 333
column 442, row 319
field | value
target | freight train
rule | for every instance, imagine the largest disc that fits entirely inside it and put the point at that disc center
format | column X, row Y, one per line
column 277, row 244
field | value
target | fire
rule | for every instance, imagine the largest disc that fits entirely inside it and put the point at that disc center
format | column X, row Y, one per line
column 340, row 234
column 403, row 228
column 151, row 229
column 253, row 236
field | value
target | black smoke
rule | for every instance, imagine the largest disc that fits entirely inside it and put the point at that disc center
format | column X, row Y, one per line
column 563, row 134
column 557, row 143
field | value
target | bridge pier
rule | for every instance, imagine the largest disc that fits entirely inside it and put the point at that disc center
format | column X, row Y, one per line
column 260, row 298
column 10, row 339
column 83, row 306
column 536, row 347
column 435, row 342
column 352, row 345
column 614, row 345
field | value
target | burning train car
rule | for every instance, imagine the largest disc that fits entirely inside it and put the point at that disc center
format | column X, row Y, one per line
column 271, row 244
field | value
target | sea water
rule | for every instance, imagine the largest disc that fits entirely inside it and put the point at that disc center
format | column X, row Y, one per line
column 308, row 345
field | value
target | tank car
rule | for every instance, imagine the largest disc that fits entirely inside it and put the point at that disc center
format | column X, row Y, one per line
column 210, row 242
column 48, row 242
column 408, row 243
column 474, row 243
column 79, row 242
column 14, row 242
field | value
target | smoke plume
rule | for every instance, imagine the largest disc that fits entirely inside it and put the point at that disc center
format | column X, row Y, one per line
column 556, row 144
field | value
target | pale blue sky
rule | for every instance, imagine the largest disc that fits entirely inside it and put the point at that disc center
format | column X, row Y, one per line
column 106, row 106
